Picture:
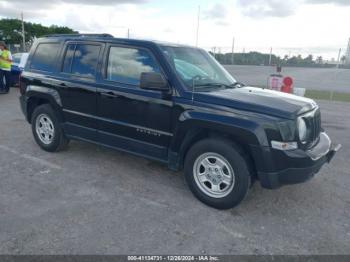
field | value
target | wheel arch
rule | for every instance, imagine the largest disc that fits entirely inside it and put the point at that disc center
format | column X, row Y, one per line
column 36, row 96
column 195, row 134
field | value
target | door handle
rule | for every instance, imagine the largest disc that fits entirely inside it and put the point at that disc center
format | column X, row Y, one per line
column 108, row 94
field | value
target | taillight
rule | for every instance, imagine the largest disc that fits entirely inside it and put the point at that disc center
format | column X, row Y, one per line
column 19, row 79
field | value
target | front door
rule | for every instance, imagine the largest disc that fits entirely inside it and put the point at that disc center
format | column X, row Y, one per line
column 130, row 118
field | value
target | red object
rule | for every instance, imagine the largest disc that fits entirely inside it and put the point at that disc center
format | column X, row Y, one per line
column 287, row 86
column 275, row 82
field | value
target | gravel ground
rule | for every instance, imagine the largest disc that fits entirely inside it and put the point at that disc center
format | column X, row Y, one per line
column 325, row 79
column 92, row 200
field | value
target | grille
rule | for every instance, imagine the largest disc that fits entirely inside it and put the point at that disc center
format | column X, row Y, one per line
column 313, row 120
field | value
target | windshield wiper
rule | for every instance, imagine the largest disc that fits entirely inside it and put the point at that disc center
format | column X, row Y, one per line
column 237, row 84
column 212, row 85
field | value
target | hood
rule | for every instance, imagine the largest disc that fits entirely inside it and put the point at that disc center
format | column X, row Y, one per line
column 259, row 100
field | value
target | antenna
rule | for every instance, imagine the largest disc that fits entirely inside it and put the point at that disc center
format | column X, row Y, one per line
column 198, row 20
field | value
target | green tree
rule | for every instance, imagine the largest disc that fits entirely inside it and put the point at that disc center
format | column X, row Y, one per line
column 11, row 30
column 319, row 60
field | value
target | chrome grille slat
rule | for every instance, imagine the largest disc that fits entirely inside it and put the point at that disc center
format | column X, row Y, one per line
column 314, row 123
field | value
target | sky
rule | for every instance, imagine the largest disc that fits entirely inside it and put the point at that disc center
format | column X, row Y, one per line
column 289, row 27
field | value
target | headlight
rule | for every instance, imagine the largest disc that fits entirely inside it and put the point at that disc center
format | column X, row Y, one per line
column 302, row 130
column 287, row 130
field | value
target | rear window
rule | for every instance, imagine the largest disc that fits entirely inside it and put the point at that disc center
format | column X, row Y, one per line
column 45, row 56
column 81, row 59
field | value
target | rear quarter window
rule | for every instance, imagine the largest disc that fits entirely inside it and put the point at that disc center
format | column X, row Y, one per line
column 44, row 57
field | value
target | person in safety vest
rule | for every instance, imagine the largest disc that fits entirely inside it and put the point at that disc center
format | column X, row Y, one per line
column 5, row 68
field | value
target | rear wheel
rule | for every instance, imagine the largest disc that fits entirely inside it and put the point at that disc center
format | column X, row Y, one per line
column 218, row 173
column 47, row 130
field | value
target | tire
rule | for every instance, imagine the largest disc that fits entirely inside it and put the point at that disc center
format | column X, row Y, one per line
column 47, row 130
column 208, row 166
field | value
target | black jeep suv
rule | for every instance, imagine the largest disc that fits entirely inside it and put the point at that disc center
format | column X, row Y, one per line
column 173, row 104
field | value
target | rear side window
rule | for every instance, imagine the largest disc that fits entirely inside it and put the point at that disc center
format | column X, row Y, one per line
column 81, row 59
column 126, row 64
column 45, row 56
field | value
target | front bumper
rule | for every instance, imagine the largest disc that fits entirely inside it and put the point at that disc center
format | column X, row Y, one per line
column 296, row 166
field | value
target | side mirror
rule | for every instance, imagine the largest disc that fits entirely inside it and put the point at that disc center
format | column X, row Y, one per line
column 153, row 81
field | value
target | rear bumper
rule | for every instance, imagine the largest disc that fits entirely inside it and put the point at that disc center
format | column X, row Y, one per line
column 297, row 166
column 23, row 103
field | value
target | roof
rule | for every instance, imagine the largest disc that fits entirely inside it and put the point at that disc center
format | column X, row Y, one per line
column 110, row 37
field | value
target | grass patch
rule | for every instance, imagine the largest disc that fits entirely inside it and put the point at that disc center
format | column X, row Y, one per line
column 328, row 95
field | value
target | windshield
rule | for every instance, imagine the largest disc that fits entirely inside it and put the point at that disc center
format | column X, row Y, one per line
column 197, row 68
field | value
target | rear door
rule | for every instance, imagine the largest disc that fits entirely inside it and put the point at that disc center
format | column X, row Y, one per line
column 77, row 87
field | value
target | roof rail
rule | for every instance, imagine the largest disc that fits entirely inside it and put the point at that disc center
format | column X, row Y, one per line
column 79, row 35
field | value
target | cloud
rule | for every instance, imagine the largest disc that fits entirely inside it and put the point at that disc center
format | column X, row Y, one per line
column 38, row 8
column 268, row 8
column 335, row 2
column 39, row 3
column 278, row 8
column 218, row 11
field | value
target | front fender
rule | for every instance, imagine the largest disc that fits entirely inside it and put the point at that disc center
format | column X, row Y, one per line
column 246, row 130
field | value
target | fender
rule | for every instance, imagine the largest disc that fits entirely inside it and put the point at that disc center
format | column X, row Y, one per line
column 245, row 130
column 45, row 93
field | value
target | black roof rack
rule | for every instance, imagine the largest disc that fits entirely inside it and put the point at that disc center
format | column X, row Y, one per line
column 79, row 35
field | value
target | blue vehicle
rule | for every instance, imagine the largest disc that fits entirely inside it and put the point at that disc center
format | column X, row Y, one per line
column 17, row 66
column 175, row 104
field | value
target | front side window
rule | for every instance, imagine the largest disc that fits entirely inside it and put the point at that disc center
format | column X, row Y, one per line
column 44, row 57
column 125, row 65
column 197, row 68
column 81, row 59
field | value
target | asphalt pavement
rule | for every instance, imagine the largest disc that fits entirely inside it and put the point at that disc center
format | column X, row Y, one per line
column 93, row 200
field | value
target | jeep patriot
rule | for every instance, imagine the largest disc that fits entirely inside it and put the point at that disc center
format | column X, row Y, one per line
column 174, row 104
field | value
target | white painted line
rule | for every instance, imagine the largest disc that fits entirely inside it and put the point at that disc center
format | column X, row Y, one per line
column 40, row 161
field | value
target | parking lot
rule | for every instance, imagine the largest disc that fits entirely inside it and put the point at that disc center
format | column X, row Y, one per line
column 92, row 200
column 321, row 79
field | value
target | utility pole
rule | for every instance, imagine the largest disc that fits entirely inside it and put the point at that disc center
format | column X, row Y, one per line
column 233, row 50
column 23, row 34
column 270, row 59
column 128, row 32
column 198, row 19
column 338, row 61
column 347, row 56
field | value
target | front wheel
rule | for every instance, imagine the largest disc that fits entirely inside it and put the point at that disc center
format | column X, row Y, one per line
column 218, row 173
